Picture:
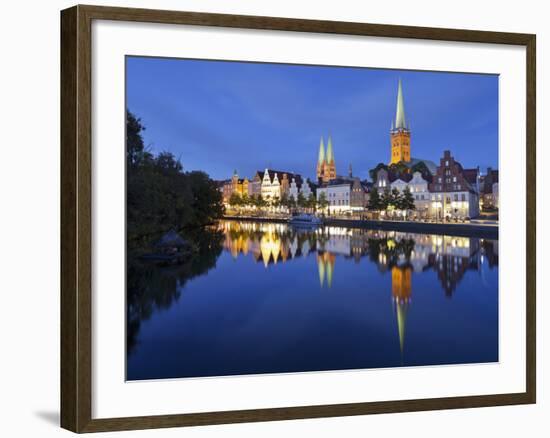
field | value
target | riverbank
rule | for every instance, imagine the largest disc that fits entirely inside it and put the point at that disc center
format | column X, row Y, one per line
column 489, row 231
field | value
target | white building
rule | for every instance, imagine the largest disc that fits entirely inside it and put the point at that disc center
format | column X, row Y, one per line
column 419, row 189
column 399, row 184
column 293, row 189
column 306, row 189
column 298, row 186
column 271, row 186
column 338, row 197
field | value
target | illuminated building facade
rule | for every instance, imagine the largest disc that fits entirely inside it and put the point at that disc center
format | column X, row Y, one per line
column 454, row 190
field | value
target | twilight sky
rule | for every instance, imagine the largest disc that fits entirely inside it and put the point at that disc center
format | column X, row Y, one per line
column 218, row 116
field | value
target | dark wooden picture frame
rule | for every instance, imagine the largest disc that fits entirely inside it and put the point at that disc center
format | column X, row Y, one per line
column 76, row 218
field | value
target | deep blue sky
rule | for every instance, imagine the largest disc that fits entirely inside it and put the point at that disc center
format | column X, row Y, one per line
column 218, row 116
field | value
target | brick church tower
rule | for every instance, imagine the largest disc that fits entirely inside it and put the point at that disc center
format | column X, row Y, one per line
column 326, row 168
column 400, row 133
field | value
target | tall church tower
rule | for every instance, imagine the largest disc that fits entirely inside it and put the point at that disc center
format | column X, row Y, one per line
column 400, row 133
column 321, row 160
column 326, row 168
column 330, row 167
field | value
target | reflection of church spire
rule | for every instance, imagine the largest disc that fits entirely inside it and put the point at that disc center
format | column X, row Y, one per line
column 401, row 310
column 325, row 264
column 321, row 267
column 401, row 295
column 330, row 268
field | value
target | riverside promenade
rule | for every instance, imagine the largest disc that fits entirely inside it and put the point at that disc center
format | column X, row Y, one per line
column 470, row 229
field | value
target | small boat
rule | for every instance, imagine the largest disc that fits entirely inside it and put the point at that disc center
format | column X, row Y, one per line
column 305, row 220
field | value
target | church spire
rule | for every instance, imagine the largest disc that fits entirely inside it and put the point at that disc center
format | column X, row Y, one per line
column 330, row 153
column 400, row 111
column 321, row 158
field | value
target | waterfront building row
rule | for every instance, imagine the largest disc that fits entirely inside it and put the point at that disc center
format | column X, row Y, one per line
column 440, row 191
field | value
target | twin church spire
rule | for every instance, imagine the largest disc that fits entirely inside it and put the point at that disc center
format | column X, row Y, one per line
column 400, row 135
column 326, row 169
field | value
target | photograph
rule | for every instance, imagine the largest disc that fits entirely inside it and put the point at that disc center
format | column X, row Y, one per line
column 289, row 218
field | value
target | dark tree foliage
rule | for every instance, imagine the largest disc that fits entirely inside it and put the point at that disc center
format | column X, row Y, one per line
column 160, row 195
column 423, row 169
column 407, row 200
column 386, row 199
column 151, row 287
column 374, row 172
column 396, row 199
column 399, row 169
column 136, row 154
column 375, row 202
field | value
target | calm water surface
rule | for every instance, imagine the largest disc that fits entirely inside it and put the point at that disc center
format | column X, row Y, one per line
column 267, row 298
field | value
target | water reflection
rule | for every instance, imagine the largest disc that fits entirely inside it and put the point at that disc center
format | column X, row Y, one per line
column 264, row 297
column 157, row 286
column 400, row 253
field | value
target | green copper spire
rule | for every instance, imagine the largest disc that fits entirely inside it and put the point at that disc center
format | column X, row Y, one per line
column 330, row 153
column 401, row 322
column 321, row 159
column 400, row 113
column 321, row 268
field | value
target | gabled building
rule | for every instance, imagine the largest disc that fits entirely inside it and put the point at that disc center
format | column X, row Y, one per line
column 235, row 185
column 297, row 186
column 418, row 187
column 489, row 189
column 275, row 183
column 454, row 191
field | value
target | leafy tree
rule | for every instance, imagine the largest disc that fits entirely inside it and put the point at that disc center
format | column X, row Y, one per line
column 312, row 202
column 386, row 199
column 291, row 202
column 235, row 200
column 395, row 199
column 261, row 202
column 322, row 202
column 160, row 196
column 407, row 200
column 375, row 202
column 245, row 200
column 136, row 153
column 399, row 169
column 275, row 202
column 301, row 200
column 283, row 202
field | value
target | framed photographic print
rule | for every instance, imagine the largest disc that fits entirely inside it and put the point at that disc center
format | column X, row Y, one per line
column 269, row 218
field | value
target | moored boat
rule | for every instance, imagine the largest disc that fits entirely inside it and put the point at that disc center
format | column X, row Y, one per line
column 305, row 220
